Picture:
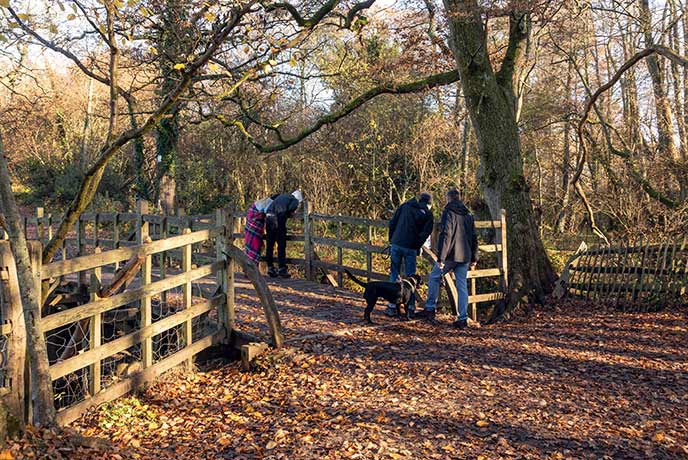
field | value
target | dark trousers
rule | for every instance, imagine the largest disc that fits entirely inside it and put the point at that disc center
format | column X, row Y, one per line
column 276, row 232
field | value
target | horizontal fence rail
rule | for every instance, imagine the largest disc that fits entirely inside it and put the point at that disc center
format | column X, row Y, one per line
column 137, row 317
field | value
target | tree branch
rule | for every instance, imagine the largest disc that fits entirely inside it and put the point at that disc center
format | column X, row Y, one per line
column 637, row 57
column 430, row 82
column 89, row 184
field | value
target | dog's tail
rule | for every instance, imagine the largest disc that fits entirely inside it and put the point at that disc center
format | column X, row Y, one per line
column 355, row 280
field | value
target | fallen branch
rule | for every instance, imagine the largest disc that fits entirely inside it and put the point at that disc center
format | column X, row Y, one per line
column 123, row 275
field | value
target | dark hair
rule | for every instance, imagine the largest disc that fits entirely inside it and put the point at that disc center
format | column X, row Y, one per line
column 454, row 195
column 425, row 197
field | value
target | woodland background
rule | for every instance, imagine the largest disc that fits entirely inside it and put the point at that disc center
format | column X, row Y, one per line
column 394, row 146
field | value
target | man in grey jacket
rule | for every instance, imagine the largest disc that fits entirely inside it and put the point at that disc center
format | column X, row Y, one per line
column 457, row 250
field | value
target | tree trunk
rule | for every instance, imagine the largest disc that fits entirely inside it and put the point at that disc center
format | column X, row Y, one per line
column 172, row 42
column 665, row 124
column 560, row 224
column 491, row 104
column 41, row 384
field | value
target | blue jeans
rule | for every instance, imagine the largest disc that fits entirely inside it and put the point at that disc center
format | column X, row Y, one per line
column 396, row 254
column 460, row 271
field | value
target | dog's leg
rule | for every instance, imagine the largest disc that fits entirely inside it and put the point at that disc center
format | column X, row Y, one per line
column 399, row 310
column 368, row 311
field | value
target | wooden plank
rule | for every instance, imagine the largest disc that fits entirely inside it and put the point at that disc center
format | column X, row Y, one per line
column 307, row 243
column 504, row 265
column 186, row 294
column 142, row 237
column 672, row 261
column 473, row 305
column 355, row 271
column 487, row 297
column 348, row 245
column 490, row 248
column 488, row 224
column 624, row 264
column 146, row 375
column 268, row 302
column 368, row 254
column 340, row 262
column 591, row 274
column 56, row 320
column 639, row 279
column 66, row 267
column 596, row 273
column 484, row 273
column 40, row 228
column 95, row 355
column 351, row 220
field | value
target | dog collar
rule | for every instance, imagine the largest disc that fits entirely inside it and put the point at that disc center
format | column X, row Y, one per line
column 413, row 288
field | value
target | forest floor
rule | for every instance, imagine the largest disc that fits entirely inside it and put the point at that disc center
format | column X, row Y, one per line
column 574, row 381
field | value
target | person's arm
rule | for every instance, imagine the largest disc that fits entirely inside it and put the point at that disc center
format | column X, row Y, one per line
column 292, row 206
column 393, row 223
column 445, row 239
column 427, row 227
column 473, row 242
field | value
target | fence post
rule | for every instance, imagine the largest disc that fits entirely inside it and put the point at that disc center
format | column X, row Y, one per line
column 12, row 314
column 340, row 261
column 474, row 306
column 96, row 222
column 369, row 255
column 164, row 233
column 307, row 256
column 80, row 232
column 186, row 290
column 115, row 236
column 95, row 329
column 40, row 213
column 505, row 258
column 35, row 254
column 225, row 277
column 146, row 308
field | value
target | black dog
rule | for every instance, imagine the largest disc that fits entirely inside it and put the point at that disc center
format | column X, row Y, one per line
column 398, row 293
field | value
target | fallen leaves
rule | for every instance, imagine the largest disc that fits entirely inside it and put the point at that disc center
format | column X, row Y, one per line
column 589, row 384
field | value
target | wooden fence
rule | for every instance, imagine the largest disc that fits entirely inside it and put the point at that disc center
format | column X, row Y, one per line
column 123, row 332
column 317, row 233
column 123, row 300
column 651, row 274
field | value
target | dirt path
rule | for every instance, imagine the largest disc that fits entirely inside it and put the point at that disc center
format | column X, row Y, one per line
column 565, row 384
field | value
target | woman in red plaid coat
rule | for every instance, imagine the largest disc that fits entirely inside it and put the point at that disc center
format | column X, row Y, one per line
column 255, row 229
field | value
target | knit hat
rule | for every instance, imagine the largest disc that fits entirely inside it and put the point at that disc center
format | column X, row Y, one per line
column 426, row 197
column 298, row 195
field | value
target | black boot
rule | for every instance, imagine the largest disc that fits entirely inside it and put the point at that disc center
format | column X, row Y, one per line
column 272, row 271
column 460, row 324
column 427, row 315
column 284, row 272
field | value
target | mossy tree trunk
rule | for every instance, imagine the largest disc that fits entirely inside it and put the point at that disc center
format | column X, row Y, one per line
column 491, row 102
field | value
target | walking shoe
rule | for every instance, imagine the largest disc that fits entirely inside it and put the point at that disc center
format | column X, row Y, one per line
column 284, row 272
column 427, row 315
column 411, row 314
column 391, row 311
column 272, row 271
column 460, row 324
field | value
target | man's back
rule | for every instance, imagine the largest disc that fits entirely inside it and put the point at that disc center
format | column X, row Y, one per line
column 458, row 241
column 411, row 225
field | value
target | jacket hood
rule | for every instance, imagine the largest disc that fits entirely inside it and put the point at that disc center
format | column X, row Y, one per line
column 417, row 204
column 457, row 207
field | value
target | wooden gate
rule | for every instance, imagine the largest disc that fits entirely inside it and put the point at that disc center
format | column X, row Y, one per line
column 650, row 274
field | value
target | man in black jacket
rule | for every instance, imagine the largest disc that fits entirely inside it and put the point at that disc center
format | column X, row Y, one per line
column 457, row 250
column 282, row 207
column 410, row 226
